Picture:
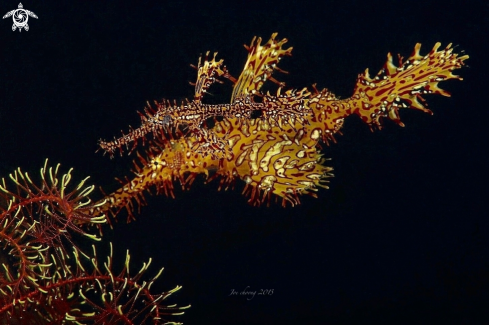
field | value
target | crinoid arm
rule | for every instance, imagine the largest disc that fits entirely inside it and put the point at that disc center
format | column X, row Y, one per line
column 81, row 289
column 51, row 212
column 46, row 279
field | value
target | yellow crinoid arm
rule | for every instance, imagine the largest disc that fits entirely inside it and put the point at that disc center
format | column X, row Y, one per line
column 402, row 87
column 262, row 61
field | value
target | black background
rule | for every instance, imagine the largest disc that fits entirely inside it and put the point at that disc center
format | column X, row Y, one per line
column 401, row 237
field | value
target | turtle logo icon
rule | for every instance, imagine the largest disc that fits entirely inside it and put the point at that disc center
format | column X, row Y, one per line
column 20, row 17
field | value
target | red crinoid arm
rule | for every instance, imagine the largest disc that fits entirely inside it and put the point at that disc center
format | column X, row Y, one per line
column 42, row 281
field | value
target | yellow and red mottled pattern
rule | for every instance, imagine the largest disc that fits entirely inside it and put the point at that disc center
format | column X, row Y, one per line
column 277, row 151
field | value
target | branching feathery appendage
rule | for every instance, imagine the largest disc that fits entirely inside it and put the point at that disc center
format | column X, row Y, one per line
column 269, row 141
column 86, row 291
column 42, row 281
